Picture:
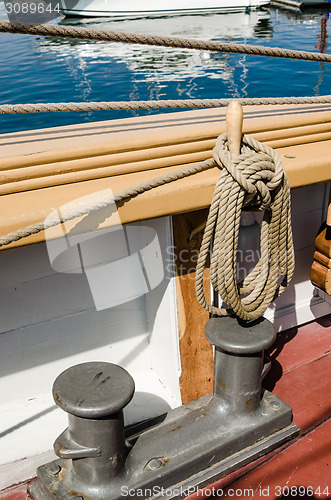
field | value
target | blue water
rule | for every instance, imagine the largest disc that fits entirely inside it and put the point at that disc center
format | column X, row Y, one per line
column 39, row 69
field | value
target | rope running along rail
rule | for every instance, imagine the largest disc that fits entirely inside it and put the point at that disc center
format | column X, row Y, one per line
column 119, row 198
column 164, row 41
column 117, row 36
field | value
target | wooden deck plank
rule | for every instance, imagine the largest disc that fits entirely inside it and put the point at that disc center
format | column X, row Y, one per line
column 294, row 347
column 307, row 390
column 305, row 464
column 15, row 493
column 301, row 372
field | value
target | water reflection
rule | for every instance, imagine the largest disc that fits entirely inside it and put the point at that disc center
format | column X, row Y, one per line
column 39, row 69
column 157, row 64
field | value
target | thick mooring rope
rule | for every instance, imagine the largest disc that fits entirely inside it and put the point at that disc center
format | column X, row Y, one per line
column 156, row 40
column 160, row 104
column 255, row 179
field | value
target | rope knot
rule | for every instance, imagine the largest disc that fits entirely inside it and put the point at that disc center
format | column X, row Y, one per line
column 257, row 170
column 255, row 179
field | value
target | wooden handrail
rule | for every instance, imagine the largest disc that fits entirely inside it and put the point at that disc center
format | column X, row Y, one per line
column 45, row 169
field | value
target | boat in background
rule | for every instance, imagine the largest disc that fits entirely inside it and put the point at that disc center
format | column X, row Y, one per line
column 131, row 9
column 158, row 69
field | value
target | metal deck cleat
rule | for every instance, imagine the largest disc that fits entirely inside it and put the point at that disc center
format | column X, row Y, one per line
column 195, row 444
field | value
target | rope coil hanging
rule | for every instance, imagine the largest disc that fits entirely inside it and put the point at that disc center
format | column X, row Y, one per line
column 254, row 180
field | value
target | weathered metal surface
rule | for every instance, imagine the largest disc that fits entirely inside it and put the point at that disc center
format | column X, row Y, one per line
column 238, row 363
column 84, row 390
column 93, row 446
column 196, row 443
column 303, row 357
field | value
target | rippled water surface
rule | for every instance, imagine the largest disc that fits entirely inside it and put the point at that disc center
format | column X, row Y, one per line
column 39, row 69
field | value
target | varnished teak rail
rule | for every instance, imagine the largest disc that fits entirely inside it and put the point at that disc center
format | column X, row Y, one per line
column 45, row 169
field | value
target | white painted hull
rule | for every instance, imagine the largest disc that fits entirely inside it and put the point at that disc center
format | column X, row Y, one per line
column 147, row 8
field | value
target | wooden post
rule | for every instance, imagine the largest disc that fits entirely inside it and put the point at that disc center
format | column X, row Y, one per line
column 328, row 217
column 234, row 125
column 195, row 350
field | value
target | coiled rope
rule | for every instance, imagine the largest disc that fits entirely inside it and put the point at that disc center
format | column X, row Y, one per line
column 254, row 180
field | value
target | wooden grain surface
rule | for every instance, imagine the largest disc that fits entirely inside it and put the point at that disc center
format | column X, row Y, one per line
column 195, row 350
column 46, row 169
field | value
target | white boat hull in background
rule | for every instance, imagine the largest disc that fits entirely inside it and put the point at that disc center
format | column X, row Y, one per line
column 133, row 8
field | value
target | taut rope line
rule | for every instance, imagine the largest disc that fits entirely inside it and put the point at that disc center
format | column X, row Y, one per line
column 161, row 104
column 156, row 40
